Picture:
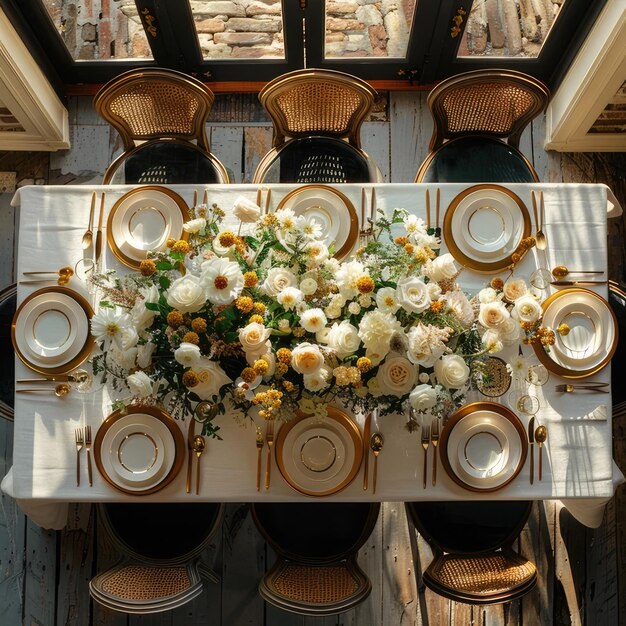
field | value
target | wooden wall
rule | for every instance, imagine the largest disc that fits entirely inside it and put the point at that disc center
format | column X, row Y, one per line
column 44, row 574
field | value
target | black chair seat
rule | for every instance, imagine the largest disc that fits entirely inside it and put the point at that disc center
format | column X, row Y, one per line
column 476, row 159
column 8, row 304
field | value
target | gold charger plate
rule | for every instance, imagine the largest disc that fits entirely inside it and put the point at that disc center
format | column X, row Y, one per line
column 609, row 330
column 508, row 223
column 332, row 209
column 178, row 445
column 500, row 418
column 142, row 220
column 319, row 457
column 85, row 350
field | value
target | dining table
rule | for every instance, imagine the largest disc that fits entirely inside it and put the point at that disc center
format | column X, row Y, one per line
column 578, row 466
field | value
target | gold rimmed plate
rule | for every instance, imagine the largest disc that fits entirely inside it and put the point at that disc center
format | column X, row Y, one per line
column 484, row 225
column 483, row 446
column 592, row 338
column 50, row 330
column 142, row 220
column 319, row 457
column 139, row 451
column 331, row 209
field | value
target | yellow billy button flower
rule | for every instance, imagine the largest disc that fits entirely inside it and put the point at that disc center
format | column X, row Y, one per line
column 199, row 325
column 281, row 368
column 364, row 364
column 147, row 267
column 170, row 243
column 261, row 366
column 409, row 248
column 244, row 304
column 181, row 246
column 256, row 318
column 191, row 337
column 563, row 329
column 259, row 308
column 422, row 255
column 248, row 374
column 402, row 240
column 288, row 386
column 284, row 355
column 250, row 279
column 174, row 319
column 227, row 238
column 190, row 379
column 437, row 306
column 365, row 284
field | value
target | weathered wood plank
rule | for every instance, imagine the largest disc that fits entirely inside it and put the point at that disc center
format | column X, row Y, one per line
column 257, row 143
column 375, row 142
column 227, row 145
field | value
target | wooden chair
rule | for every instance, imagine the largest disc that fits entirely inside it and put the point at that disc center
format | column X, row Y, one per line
column 317, row 117
column 617, row 302
column 160, row 115
column 161, row 545
column 478, row 120
column 473, row 558
column 316, row 544
column 8, row 305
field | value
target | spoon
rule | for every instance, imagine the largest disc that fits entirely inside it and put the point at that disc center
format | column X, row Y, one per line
column 541, row 434
column 65, row 273
column 60, row 390
column 376, row 444
column 561, row 271
column 88, row 236
column 198, row 446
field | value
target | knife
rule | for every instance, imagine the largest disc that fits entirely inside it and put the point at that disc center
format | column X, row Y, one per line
column 99, row 232
column 531, row 441
column 190, row 436
column 569, row 283
column 366, row 448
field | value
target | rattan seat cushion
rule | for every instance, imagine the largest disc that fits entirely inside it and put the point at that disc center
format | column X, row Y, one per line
column 315, row 584
column 8, row 303
column 145, row 582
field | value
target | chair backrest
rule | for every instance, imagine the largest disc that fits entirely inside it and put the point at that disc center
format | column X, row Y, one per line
column 317, row 102
column 617, row 302
column 496, row 103
column 8, row 305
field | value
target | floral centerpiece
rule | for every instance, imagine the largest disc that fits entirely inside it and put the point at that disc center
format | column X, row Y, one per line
column 269, row 321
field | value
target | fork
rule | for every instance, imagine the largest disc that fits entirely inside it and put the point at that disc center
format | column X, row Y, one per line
column 269, row 439
column 425, row 444
column 434, row 439
column 88, row 448
column 259, row 447
column 78, row 434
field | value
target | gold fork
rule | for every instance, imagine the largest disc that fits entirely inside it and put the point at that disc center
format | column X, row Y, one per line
column 425, row 444
column 78, row 434
column 269, row 439
column 434, row 438
column 259, row 447
column 88, row 448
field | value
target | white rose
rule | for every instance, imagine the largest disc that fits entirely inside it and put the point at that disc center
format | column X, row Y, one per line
column 212, row 379
column 434, row 290
column 493, row 314
column 313, row 320
column 142, row 317
column 373, row 386
column 186, row 294
column 423, row 397
column 139, row 384
column 253, row 337
column 277, row 279
column 344, row 338
column 514, row 289
column 443, row 268
column 308, row 286
column 306, row 358
column 144, row 354
column 397, row 376
column 321, row 336
column 194, row 226
column 318, row 381
column 187, row 354
column 246, row 210
column 354, row 308
column 509, row 332
column 412, row 294
column 527, row 309
column 124, row 358
column 127, row 338
column 451, row 371
column 290, row 297
column 486, row 295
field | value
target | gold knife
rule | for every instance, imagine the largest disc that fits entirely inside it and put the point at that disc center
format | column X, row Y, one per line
column 531, row 443
column 99, row 232
column 190, row 436
column 366, row 449
column 569, row 283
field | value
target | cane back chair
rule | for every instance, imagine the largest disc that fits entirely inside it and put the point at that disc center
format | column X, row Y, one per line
column 317, row 116
column 161, row 566
column 161, row 116
column 8, row 305
column 316, row 544
column 479, row 117
column 473, row 558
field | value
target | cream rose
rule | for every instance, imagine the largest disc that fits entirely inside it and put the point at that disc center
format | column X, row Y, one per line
column 486, row 295
column 397, row 376
column 246, row 210
column 319, row 380
column 451, row 371
column 187, row 354
column 527, row 309
column 443, row 268
column 412, row 294
column 493, row 314
column 186, row 294
column 423, row 397
column 308, row 286
column 509, row 332
column 212, row 379
column 277, row 279
column 142, row 317
column 343, row 338
column 194, row 226
column 514, row 289
column 306, row 358
column 139, row 384
column 253, row 337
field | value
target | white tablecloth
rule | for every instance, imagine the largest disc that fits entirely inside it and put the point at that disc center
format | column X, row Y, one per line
column 578, row 464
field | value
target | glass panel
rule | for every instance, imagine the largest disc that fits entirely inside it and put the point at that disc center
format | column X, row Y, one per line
column 239, row 29
column 368, row 28
column 99, row 29
column 508, row 28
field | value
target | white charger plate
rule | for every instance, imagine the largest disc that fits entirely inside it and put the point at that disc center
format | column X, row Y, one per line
column 142, row 220
column 332, row 209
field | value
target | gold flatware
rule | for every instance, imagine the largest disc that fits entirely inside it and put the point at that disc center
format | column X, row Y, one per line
column 376, row 444
column 425, row 445
column 199, row 444
column 367, row 427
column 561, row 271
column 88, row 236
column 268, row 202
column 437, row 206
column 569, row 388
column 78, row 435
column 98, row 251
column 190, row 436
column 531, row 442
column 259, row 198
column 88, row 448
column 570, row 283
column 259, row 447
column 269, row 439
column 541, row 434
column 434, row 439
column 540, row 237
column 64, row 275
column 60, row 390
column 372, row 209
column 428, row 208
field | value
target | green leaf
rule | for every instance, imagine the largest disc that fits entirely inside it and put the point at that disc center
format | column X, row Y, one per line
column 164, row 282
column 152, row 306
column 164, row 266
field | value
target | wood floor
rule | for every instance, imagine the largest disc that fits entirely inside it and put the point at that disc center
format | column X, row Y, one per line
column 44, row 575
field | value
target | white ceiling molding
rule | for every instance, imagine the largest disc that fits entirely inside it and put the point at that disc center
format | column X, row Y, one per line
column 595, row 76
column 27, row 94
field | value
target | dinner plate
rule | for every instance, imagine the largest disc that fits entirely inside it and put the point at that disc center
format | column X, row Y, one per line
column 483, row 446
column 142, row 220
column 332, row 209
column 484, row 225
column 592, row 338
column 139, row 451
column 319, row 457
column 50, row 330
